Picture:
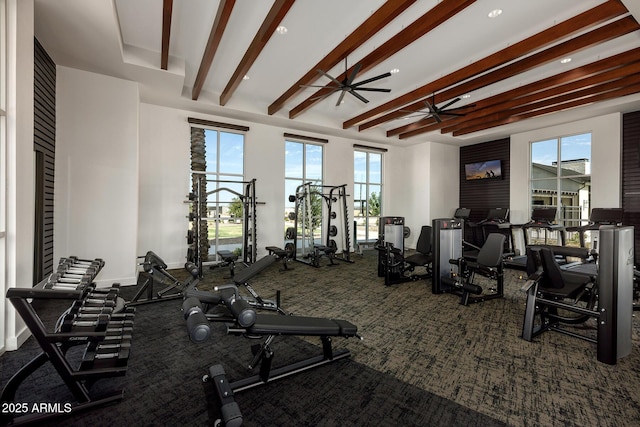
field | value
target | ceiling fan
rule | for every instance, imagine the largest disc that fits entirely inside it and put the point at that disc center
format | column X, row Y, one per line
column 347, row 85
column 434, row 111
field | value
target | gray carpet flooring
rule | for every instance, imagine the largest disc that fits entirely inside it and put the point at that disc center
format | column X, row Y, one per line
column 423, row 360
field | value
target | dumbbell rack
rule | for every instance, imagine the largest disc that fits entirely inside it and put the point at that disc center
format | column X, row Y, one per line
column 97, row 319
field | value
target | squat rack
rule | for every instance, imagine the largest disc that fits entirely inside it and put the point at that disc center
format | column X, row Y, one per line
column 198, row 235
column 335, row 199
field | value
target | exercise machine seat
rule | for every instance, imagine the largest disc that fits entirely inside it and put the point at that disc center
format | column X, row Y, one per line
column 560, row 283
column 424, row 255
column 268, row 324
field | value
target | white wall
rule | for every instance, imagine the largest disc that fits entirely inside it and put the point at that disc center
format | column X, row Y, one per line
column 163, row 183
column 428, row 185
column 96, row 196
column 445, row 180
column 606, row 142
column 20, row 196
column 164, row 179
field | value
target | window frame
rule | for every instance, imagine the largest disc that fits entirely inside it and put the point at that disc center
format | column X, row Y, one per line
column 367, row 184
column 562, row 216
column 221, row 179
column 304, row 142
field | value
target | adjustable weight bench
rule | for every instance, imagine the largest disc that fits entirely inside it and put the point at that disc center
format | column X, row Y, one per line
column 212, row 299
column 155, row 272
column 251, row 324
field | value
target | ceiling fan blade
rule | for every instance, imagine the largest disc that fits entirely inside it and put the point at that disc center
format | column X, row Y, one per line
column 444, row 107
column 418, row 114
column 447, row 113
column 340, row 98
column 372, row 79
column 360, row 97
column 356, row 70
column 323, row 96
column 323, row 86
column 463, row 107
column 339, row 83
column 372, row 89
column 430, row 108
column 436, row 116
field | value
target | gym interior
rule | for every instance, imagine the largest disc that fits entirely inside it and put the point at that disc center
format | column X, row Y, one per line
column 125, row 302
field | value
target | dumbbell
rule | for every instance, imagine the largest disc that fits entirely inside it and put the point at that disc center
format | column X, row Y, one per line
column 66, row 277
column 197, row 322
column 79, row 309
column 105, row 356
column 80, row 267
column 97, row 264
column 96, row 324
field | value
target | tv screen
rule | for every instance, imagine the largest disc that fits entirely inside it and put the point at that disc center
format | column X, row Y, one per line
column 483, row 170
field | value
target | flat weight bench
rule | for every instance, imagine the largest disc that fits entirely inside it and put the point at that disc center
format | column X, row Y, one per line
column 228, row 258
column 268, row 325
column 320, row 250
column 280, row 254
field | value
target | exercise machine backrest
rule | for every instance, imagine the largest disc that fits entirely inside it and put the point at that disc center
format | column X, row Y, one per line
column 490, row 254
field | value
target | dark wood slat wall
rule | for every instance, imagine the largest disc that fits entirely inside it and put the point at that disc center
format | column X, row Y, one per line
column 631, row 175
column 44, row 136
column 483, row 194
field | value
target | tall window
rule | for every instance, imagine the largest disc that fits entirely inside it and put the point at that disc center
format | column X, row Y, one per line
column 303, row 165
column 367, row 199
column 225, row 188
column 561, row 178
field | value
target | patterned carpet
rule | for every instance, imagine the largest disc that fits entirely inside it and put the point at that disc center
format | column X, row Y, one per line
column 424, row 360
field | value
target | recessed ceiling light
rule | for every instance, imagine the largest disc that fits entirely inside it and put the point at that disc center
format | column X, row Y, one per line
column 395, row 71
column 281, row 29
column 495, row 13
column 246, row 78
column 565, row 60
column 467, row 96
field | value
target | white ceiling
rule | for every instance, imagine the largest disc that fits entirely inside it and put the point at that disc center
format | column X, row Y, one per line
column 123, row 38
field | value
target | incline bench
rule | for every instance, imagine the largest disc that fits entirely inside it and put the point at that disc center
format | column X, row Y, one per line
column 249, row 323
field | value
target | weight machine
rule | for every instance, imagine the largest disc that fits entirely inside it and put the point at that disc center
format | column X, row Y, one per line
column 198, row 234
column 337, row 224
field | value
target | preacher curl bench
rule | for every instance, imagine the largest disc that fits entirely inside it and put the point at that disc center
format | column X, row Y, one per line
column 251, row 324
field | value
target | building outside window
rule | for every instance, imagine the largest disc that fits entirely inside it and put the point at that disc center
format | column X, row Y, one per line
column 560, row 178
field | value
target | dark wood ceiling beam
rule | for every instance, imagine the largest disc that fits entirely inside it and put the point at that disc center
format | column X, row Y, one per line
column 167, row 8
column 613, row 66
column 440, row 13
column 600, row 35
column 274, row 17
column 572, row 89
column 378, row 20
column 217, row 30
column 623, row 87
column 589, row 18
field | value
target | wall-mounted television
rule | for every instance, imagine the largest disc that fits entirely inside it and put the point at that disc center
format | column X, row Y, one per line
column 483, row 170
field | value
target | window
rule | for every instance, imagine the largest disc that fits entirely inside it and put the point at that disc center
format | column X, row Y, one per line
column 303, row 165
column 367, row 199
column 561, row 178
column 225, row 187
